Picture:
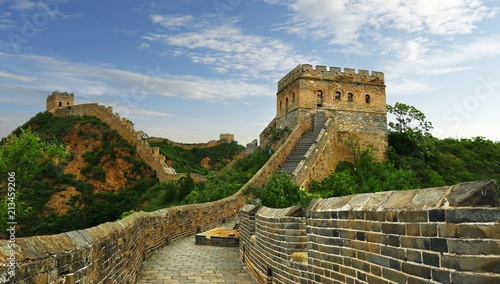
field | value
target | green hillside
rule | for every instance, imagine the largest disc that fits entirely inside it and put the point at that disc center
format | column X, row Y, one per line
column 75, row 172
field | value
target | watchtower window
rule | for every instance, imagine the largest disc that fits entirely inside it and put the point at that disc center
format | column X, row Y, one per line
column 293, row 97
column 319, row 98
column 286, row 105
column 60, row 103
column 367, row 99
column 350, row 97
column 338, row 96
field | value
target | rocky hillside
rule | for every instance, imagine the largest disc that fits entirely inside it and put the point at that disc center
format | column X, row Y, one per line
column 101, row 178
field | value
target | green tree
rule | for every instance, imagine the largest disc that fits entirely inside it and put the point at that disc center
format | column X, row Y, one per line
column 280, row 192
column 25, row 157
column 406, row 117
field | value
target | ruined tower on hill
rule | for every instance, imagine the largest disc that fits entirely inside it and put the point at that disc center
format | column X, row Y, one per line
column 59, row 100
column 349, row 106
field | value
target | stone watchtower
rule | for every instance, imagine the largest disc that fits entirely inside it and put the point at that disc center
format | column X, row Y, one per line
column 59, row 100
column 355, row 101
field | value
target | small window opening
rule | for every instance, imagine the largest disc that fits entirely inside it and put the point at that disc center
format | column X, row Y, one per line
column 286, row 105
column 60, row 103
column 68, row 103
column 350, row 97
column 367, row 99
column 338, row 96
column 293, row 97
column 319, row 98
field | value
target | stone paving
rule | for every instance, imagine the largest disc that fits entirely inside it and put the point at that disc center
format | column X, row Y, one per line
column 185, row 262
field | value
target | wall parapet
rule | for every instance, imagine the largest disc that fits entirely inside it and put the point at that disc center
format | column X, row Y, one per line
column 111, row 252
column 439, row 235
column 334, row 73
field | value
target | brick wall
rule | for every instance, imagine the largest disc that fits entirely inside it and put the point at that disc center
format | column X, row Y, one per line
column 111, row 252
column 188, row 146
column 438, row 235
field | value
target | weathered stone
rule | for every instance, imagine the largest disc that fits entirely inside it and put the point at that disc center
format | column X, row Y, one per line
column 428, row 198
column 475, row 193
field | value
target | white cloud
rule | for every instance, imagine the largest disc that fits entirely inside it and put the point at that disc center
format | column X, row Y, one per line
column 344, row 22
column 416, row 60
column 225, row 47
column 144, row 45
column 172, row 21
column 14, row 77
column 88, row 81
column 23, row 5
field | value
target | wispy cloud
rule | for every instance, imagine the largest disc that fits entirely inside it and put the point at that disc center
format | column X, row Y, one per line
column 89, row 81
column 344, row 22
column 172, row 21
column 23, row 5
column 14, row 77
column 225, row 47
column 417, row 60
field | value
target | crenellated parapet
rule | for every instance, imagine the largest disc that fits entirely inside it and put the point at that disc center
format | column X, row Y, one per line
column 333, row 74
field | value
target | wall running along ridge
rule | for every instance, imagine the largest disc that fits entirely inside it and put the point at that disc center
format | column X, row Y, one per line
column 436, row 235
column 150, row 155
column 111, row 252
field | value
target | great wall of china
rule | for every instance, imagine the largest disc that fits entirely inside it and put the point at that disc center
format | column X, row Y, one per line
column 440, row 235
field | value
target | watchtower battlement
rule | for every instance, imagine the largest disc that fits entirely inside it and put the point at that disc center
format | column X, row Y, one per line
column 334, row 74
column 58, row 99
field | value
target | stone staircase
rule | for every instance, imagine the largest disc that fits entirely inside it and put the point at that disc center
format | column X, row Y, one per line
column 302, row 145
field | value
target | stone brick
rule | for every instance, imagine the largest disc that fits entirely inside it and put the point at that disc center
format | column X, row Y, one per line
column 441, row 276
column 437, row 215
column 377, row 259
column 413, row 229
column 393, row 252
column 414, row 255
column 472, row 215
column 431, row 259
column 412, row 216
column 488, row 231
column 471, row 263
column 394, row 276
column 416, row 270
column 414, row 280
column 474, row 247
column 428, row 230
column 474, row 278
column 393, row 228
column 440, row 245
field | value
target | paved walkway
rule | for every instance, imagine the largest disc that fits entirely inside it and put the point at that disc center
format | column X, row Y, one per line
column 185, row 262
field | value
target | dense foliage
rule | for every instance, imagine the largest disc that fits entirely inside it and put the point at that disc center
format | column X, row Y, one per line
column 280, row 192
column 190, row 161
column 39, row 158
column 416, row 160
column 219, row 185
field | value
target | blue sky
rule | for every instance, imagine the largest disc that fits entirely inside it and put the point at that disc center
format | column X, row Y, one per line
column 189, row 70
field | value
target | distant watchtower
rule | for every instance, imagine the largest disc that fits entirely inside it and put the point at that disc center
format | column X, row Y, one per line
column 356, row 101
column 59, row 100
